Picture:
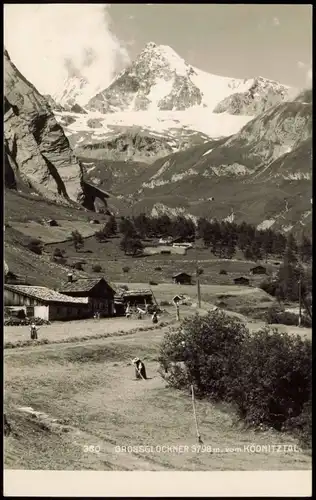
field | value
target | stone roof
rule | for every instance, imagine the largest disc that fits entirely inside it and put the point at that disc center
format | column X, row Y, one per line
column 44, row 294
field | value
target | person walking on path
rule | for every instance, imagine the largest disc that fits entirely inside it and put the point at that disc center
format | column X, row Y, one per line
column 34, row 331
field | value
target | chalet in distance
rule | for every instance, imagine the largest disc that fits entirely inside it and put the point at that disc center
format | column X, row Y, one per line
column 182, row 279
column 258, row 270
column 242, row 281
column 98, row 293
column 42, row 302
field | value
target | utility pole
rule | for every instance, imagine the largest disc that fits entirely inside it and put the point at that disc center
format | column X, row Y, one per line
column 197, row 277
column 300, row 301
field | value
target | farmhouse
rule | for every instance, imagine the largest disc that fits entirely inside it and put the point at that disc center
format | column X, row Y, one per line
column 182, row 279
column 97, row 292
column 42, row 302
column 258, row 270
column 241, row 281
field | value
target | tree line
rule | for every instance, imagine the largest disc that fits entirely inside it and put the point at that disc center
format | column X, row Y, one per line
column 221, row 237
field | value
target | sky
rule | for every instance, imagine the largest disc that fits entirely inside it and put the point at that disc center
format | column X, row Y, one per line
column 47, row 42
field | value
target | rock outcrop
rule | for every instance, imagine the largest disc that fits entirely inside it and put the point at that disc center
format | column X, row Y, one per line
column 37, row 152
column 261, row 96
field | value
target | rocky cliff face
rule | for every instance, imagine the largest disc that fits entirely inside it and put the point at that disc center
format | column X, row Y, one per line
column 261, row 96
column 37, row 152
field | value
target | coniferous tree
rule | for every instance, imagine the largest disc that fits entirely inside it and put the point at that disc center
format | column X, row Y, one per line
column 305, row 249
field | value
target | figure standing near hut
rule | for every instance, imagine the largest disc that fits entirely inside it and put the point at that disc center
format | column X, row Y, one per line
column 140, row 370
column 154, row 317
column 128, row 311
column 34, row 331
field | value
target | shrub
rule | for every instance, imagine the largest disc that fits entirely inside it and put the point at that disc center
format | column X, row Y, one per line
column 158, row 268
column 153, row 283
column 59, row 253
column 274, row 378
column 21, row 314
column 209, row 347
column 96, row 268
column 35, row 246
column 302, row 424
column 124, row 287
column 278, row 316
column 222, row 271
column 77, row 240
column 125, row 269
column 268, row 287
column 267, row 375
column 78, row 266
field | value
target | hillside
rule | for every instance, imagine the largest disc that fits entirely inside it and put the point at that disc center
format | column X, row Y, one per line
column 224, row 178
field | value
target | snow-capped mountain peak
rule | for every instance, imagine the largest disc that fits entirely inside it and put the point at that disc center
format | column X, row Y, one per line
column 159, row 80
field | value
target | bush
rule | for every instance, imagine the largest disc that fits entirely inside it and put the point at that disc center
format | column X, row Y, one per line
column 153, row 283
column 268, row 287
column 78, row 266
column 276, row 315
column 35, row 246
column 21, row 314
column 96, row 268
column 302, row 424
column 274, row 378
column 266, row 375
column 59, row 253
column 209, row 347
column 125, row 269
column 222, row 271
column 158, row 268
column 124, row 287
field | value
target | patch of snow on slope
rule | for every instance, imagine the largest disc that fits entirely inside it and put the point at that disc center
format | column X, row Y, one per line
column 234, row 169
column 207, row 152
column 183, row 175
column 176, row 62
column 297, row 176
column 162, row 169
column 196, row 119
column 266, row 224
column 158, row 91
column 216, row 88
column 288, row 228
column 155, row 183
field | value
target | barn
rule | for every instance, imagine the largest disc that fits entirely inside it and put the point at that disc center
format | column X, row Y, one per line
column 134, row 298
column 241, row 281
column 182, row 279
column 97, row 292
column 42, row 302
column 258, row 270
